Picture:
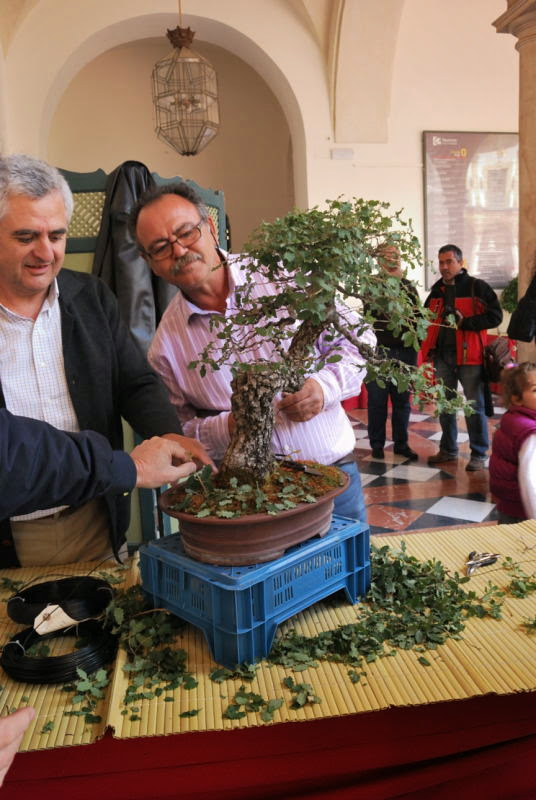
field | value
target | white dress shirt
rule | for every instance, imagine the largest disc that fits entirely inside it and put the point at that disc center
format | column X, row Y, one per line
column 32, row 370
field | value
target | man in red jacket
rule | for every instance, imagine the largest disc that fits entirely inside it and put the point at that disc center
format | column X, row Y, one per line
column 464, row 308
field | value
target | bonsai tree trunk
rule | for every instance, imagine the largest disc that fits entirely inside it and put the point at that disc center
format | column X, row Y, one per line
column 249, row 456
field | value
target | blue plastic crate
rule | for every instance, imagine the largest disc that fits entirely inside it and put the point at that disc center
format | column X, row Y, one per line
column 239, row 608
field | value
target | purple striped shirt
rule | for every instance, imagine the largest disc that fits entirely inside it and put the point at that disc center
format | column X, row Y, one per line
column 180, row 338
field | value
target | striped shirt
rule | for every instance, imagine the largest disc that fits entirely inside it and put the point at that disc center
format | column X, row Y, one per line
column 180, row 338
column 32, row 370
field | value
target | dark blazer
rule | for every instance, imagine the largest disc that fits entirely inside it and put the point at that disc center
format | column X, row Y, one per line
column 108, row 376
column 41, row 467
column 522, row 325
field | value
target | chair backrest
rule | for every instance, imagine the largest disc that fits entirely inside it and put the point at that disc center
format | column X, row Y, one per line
column 88, row 189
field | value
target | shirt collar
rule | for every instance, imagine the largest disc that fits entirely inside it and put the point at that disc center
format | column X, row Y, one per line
column 48, row 305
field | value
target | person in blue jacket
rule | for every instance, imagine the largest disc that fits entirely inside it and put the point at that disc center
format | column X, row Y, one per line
column 42, row 467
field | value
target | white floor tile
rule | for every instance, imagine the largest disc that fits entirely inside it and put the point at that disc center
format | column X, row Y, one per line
column 366, row 479
column 408, row 472
column 459, row 508
column 418, row 417
column 462, row 437
column 361, row 433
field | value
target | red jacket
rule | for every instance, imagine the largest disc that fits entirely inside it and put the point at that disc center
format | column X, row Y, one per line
column 478, row 303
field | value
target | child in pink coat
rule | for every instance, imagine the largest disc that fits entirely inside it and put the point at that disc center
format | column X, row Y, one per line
column 512, row 466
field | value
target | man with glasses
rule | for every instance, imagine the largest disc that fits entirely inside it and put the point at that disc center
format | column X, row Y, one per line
column 66, row 358
column 178, row 239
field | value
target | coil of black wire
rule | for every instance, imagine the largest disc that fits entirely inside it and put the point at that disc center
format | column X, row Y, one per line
column 81, row 597
column 98, row 647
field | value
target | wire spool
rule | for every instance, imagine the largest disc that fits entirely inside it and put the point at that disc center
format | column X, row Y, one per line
column 80, row 597
column 99, row 651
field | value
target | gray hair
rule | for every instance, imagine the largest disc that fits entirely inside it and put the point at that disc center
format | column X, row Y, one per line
column 25, row 175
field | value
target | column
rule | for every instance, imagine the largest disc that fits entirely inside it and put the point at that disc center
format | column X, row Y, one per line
column 520, row 21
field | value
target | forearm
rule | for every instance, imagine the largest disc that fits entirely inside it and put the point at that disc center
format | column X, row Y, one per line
column 527, row 476
column 42, row 467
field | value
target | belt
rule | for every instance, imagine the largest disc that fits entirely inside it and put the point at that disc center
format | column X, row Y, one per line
column 349, row 459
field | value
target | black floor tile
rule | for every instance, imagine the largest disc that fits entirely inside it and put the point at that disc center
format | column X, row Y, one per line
column 435, row 521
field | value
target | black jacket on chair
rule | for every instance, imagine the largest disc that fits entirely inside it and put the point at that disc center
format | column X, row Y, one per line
column 142, row 296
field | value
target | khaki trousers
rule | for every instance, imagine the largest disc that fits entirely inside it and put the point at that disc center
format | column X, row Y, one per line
column 66, row 537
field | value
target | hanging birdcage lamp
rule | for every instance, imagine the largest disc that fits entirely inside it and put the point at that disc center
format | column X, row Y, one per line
column 185, row 96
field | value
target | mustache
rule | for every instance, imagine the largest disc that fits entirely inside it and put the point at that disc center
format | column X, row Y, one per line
column 183, row 261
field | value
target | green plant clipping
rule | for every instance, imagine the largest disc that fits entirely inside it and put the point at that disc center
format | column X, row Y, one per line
column 246, row 701
column 412, row 605
column 48, row 727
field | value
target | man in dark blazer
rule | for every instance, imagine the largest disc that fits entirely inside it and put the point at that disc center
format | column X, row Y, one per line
column 67, row 358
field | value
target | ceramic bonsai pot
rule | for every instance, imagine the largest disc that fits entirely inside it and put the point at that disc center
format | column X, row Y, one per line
column 254, row 538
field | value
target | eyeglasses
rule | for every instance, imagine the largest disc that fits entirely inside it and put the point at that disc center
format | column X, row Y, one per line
column 164, row 247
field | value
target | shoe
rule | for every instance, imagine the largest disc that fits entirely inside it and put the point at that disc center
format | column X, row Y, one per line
column 440, row 457
column 377, row 452
column 475, row 463
column 407, row 452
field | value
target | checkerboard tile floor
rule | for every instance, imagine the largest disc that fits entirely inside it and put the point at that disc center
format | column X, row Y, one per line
column 404, row 495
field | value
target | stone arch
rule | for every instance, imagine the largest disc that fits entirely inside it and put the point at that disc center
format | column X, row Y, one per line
column 364, row 44
column 75, row 45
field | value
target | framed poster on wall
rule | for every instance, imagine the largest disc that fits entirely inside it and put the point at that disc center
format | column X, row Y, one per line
column 471, row 188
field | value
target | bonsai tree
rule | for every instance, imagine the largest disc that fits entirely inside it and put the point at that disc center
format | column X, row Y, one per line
column 321, row 260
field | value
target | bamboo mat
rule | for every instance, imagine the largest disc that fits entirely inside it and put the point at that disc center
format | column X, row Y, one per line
column 493, row 657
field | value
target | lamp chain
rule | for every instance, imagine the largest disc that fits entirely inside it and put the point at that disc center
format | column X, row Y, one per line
column 180, row 13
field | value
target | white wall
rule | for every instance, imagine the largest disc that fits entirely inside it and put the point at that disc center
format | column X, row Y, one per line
column 452, row 71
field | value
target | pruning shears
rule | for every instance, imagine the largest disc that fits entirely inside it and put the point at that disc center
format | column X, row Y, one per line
column 297, row 465
column 476, row 560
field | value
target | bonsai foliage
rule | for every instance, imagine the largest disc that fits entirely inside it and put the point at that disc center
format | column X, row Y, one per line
column 319, row 261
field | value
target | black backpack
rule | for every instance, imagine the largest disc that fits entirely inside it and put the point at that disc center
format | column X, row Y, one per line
column 497, row 356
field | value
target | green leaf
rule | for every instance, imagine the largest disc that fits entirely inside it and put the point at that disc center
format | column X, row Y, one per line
column 274, row 704
column 205, row 512
column 48, row 726
column 233, row 712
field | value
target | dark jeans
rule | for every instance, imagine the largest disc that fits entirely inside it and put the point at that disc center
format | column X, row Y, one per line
column 506, row 519
column 351, row 503
column 470, row 377
column 378, row 398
